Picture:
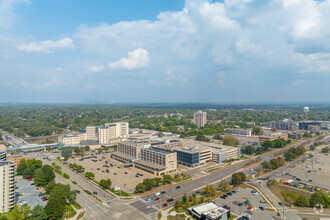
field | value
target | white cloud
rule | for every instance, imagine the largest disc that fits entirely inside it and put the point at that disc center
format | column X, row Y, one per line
column 137, row 59
column 96, row 68
column 60, row 69
column 47, row 46
column 7, row 15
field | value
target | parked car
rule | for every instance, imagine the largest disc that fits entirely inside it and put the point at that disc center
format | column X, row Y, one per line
column 45, row 199
column 261, row 207
column 126, row 173
column 263, row 201
column 157, row 198
column 224, row 206
column 228, row 208
column 280, row 203
column 95, row 193
column 230, row 193
column 78, row 191
column 178, row 187
column 248, row 212
column 239, row 204
column 165, row 205
column 162, row 192
column 249, row 208
column 198, row 192
column 98, row 169
column 29, row 180
column 170, row 200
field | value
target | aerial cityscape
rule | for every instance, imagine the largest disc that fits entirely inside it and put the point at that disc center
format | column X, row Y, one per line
column 164, row 110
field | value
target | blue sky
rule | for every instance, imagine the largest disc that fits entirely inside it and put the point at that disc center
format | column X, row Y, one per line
column 235, row 51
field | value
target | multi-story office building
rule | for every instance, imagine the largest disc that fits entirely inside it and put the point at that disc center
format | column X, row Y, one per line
column 110, row 133
column 285, row 124
column 145, row 156
column 193, row 156
column 69, row 139
column 200, row 118
column 7, row 186
column 246, row 132
column 305, row 125
column 272, row 137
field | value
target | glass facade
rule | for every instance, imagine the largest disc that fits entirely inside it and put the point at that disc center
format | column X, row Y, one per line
column 189, row 159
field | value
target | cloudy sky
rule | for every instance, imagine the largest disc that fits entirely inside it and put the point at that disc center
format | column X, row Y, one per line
column 235, row 51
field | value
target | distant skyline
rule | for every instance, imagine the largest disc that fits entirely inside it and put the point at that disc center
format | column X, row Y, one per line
column 156, row 51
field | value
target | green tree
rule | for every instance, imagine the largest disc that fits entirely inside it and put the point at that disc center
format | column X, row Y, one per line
column 325, row 150
column 49, row 187
column 66, row 152
column 21, row 212
column 65, row 175
column 299, row 150
column 49, row 173
column 90, row 175
column 317, row 198
column 139, row 188
column 160, row 134
column 256, row 130
column 39, row 177
column 230, row 141
column 28, row 173
column 224, row 186
column 201, row 137
column 265, row 165
column 54, row 208
column 271, row 182
column 186, row 204
column 289, row 156
column 177, row 205
column 201, row 200
column 238, row 178
column 38, row 213
column 21, row 167
column 105, row 183
column 184, row 199
column 267, row 144
column 100, row 150
column 274, row 164
column 210, row 190
column 217, row 137
column 167, row 179
column 302, row 201
column 87, row 148
column 63, row 192
column 249, row 149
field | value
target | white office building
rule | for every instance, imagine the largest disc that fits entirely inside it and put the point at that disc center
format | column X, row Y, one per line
column 200, row 118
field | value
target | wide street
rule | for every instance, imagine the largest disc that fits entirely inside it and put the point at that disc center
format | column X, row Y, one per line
column 137, row 208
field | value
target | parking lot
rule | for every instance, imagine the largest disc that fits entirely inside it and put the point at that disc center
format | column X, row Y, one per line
column 120, row 176
column 30, row 193
column 252, row 206
column 316, row 170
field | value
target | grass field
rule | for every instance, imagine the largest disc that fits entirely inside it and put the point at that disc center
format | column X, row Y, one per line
column 284, row 192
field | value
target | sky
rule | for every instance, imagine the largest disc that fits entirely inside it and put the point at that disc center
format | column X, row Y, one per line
column 128, row 51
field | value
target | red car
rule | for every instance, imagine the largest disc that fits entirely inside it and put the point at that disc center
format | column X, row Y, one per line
column 228, row 208
column 249, row 208
column 45, row 199
column 165, row 205
column 30, row 179
column 157, row 199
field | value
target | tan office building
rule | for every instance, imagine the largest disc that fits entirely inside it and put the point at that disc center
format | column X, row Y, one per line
column 144, row 156
column 16, row 159
column 200, row 118
column 7, row 186
column 272, row 137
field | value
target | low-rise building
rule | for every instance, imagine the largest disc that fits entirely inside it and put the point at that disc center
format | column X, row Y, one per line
column 16, row 158
column 209, row 211
column 285, row 124
column 244, row 132
column 69, row 139
column 273, row 136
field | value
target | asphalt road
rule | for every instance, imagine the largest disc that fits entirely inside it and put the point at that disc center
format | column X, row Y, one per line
column 193, row 185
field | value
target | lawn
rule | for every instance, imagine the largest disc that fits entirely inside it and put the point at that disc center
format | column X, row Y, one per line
column 283, row 192
column 176, row 217
column 76, row 205
column 69, row 212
